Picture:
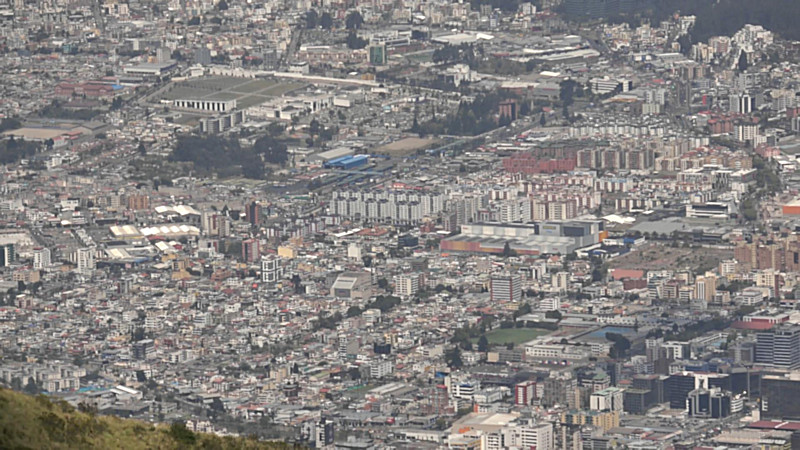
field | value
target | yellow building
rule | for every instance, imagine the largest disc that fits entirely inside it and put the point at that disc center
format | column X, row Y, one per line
column 600, row 419
column 285, row 251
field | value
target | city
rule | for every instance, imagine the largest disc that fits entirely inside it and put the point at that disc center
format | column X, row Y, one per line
column 483, row 225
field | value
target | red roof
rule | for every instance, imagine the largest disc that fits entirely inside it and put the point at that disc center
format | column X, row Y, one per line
column 775, row 425
column 756, row 325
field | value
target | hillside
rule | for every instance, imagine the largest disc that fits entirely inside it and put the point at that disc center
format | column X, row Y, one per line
column 37, row 423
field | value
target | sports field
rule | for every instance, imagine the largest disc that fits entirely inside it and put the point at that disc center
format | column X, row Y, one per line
column 513, row 335
column 247, row 92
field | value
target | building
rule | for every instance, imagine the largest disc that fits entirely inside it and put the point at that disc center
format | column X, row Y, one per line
column 406, row 285
column 143, row 349
column 323, row 433
column 271, row 269
column 380, row 368
column 85, row 260
column 41, row 258
column 353, row 285
column 7, row 255
column 525, row 393
column 252, row 212
column 779, row 396
column 138, row 202
column 251, row 251
column 705, row 288
column 608, row 399
column 709, row 403
column 779, row 347
column 205, row 105
column 506, row 288
column 551, row 237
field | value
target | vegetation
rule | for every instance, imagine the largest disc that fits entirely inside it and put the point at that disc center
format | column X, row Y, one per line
column 383, row 303
column 10, row 123
column 56, row 111
column 621, row 345
column 723, row 17
column 471, row 118
column 698, row 329
column 36, row 422
column 227, row 158
column 12, row 150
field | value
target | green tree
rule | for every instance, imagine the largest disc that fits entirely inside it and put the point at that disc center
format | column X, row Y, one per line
column 354, row 21
column 453, row 358
column 742, row 63
column 483, row 344
column 326, row 21
column 312, row 19
column 273, row 151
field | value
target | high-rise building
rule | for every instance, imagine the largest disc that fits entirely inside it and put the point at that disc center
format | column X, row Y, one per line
column 41, row 258
column 609, row 399
column 779, row 347
column 85, row 260
column 138, row 202
column 251, row 251
column 709, row 403
column 271, row 269
column 705, row 288
column 779, row 396
column 506, row 288
column 324, row 433
column 252, row 212
column 524, row 393
column 7, row 255
column 406, row 285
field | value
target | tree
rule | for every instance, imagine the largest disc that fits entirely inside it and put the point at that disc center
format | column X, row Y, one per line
column 273, row 151
column 326, row 21
column 298, row 284
column 353, row 311
column 453, row 358
column 222, row 5
column 367, row 260
column 554, row 314
column 312, row 19
column 383, row 283
column 194, row 21
column 354, row 42
column 567, row 92
column 141, row 149
column 685, row 42
column 742, row 64
column 354, row 21
column 32, row 387
column 483, row 344
column 542, row 120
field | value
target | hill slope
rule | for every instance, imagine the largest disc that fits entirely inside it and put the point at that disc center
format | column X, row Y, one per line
column 37, row 423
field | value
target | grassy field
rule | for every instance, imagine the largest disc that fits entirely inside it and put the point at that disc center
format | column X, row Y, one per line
column 35, row 422
column 246, row 92
column 515, row 335
column 657, row 256
column 405, row 147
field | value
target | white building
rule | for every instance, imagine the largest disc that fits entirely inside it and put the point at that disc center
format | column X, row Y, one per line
column 271, row 269
column 608, row 399
column 85, row 260
column 406, row 285
column 41, row 258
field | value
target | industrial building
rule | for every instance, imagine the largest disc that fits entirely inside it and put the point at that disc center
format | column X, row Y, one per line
column 527, row 239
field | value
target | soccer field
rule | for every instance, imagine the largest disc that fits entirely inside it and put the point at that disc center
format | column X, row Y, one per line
column 514, row 335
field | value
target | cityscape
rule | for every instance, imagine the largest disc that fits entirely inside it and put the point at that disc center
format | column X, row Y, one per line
column 407, row 224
